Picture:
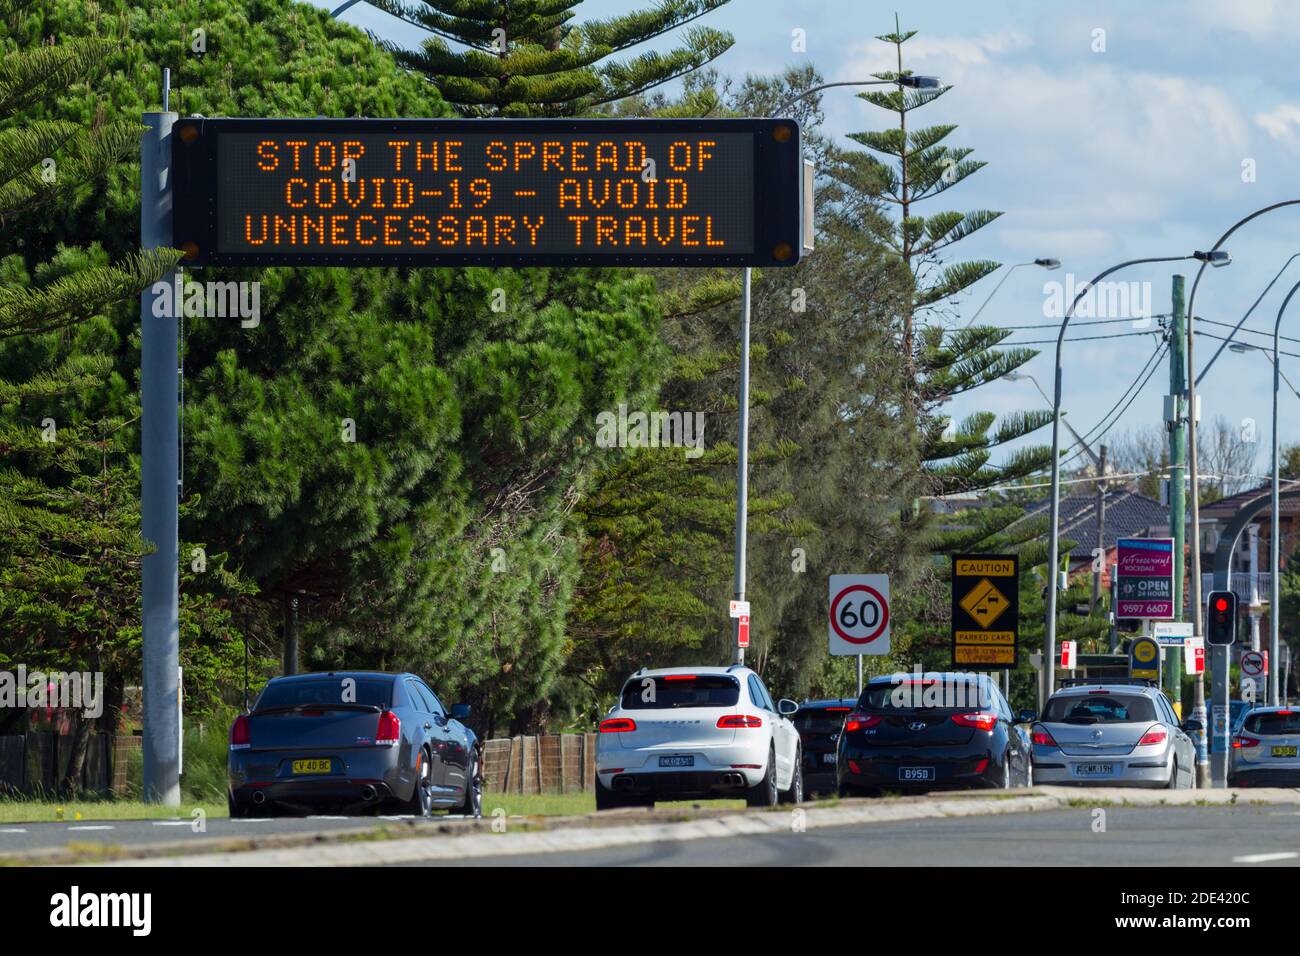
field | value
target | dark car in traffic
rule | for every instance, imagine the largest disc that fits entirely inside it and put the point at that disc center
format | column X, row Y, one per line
column 819, row 723
column 353, row 741
column 927, row 732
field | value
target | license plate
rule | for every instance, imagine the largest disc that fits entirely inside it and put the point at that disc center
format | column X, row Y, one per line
column 1094, row 769
column 828, row 758
column 677, row 761
column 915, row 773
column 313, row 766
column 1284, row 751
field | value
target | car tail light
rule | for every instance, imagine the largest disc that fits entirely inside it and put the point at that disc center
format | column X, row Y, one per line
column 979, row 721
column 739, row 721
column 239, row 736
column 1042, row 738
column 858, row 721
column 389, row 730
column 853, row 767
column 617, row 725
column 678, row 677
column 1243, row 741
column 1154, row 736
column 982, row 765
column 837, row 710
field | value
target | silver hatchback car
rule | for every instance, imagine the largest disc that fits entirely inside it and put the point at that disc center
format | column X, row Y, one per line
column 1266, row 749
column 1113, row 734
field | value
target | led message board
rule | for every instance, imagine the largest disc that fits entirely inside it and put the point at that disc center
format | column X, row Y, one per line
column 487, row 192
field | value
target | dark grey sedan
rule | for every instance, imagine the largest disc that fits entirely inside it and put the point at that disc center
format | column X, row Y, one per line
column 353, row 741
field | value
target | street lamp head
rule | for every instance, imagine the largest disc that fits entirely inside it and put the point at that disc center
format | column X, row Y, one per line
column 919, row 82
column 1240, row 347
column 1048, row 263
column 1217, row 257
column 1015, row 376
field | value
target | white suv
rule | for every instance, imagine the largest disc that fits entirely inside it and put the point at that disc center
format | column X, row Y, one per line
column 687, row 732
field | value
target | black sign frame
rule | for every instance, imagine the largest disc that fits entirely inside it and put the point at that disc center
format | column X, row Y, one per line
column 964, row 585
column 777, row 200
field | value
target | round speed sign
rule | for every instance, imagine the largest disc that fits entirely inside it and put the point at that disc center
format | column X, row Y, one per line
column 859, row 614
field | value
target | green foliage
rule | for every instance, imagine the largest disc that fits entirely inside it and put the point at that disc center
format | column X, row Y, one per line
column 530, row 58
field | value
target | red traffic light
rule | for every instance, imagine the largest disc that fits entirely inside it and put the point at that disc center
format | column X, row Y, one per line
column 1221, row 604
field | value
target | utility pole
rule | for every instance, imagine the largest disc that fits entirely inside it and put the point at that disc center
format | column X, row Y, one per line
column 289, row 662
column 159, row 474
column 1100, row 561
column 1176, row 421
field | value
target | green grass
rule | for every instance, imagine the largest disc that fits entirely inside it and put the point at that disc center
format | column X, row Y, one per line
column 88, row 811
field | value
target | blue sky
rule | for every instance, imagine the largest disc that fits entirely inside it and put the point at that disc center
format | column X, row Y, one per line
column 1094, row 158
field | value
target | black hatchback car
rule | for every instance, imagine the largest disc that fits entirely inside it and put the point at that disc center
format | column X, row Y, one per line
column 931, row 731
column 819, row 723
column 352, row 741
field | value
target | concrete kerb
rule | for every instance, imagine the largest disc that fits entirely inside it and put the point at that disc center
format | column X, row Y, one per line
column 641, row 831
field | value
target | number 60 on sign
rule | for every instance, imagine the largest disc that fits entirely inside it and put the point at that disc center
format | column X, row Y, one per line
column 858, row 620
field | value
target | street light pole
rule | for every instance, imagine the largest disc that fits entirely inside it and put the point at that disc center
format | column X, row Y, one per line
column 1274, row 548
column 1197, row 611
column 1048, row 264
column 1049, row 631
column 742, row 440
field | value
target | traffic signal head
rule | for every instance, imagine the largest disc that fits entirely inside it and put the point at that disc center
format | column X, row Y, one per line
column 1221, row 623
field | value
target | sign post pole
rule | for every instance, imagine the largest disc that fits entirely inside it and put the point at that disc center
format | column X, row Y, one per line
column 159, row 471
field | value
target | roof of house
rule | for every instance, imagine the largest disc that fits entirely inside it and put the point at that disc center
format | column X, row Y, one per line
column 1128, row 515
column 1225, row 508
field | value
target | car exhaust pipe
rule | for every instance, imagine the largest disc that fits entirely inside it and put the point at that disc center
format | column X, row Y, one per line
column 733, row 779
column 622, row 784
column 259, row 797
column 367, row 793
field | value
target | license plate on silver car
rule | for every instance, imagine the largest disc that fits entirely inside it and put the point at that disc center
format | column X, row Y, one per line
column 675, row 761
column 1094, row 769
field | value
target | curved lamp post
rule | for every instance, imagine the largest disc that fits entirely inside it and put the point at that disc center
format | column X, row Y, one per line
column 1195, row 608
column 742, row 441
column 1049, row 632
column 1275, row 533
column 1048, row 264
column 1192, row 463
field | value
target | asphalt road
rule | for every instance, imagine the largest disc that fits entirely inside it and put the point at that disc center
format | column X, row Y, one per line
column 1134, row 836
column 31, row 836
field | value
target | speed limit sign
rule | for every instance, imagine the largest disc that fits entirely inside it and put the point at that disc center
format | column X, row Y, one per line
column 858, row 622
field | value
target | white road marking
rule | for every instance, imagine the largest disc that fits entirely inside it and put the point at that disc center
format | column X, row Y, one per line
column 98, row 827
column 14, row 830
column 252, row 820
column 325, row 818
column 173, row 823
column 1264, row 857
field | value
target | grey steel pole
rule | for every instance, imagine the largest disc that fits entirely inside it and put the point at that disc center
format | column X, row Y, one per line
column 159, row 460
column 1275, row 533
column 742, row 464
column 1053, row 556
column 1197, row 608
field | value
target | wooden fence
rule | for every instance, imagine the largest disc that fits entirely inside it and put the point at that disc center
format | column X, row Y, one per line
column 34, row 762
column 552, row 764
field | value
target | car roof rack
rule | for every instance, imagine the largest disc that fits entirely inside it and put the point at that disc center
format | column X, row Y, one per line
column 1082, row 681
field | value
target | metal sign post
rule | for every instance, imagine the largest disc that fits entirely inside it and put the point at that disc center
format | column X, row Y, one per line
column 159, row 470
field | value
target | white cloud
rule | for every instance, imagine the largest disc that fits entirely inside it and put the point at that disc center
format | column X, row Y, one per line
column 1282, row 123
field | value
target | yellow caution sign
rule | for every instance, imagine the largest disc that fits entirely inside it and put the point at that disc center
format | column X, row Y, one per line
column 985, row 611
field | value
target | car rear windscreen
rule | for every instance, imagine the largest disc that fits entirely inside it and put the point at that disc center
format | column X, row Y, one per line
column 1274, row 722
column 942, row 693
column 820, row 720
column 332, row 690
column 666, row 691
column 1094, row 708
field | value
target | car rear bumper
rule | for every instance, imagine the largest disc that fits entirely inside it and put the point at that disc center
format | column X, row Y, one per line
column 1264, row 777
column 1060, row 770
column 358, row 777
column 681, row 783
column 886, row 769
